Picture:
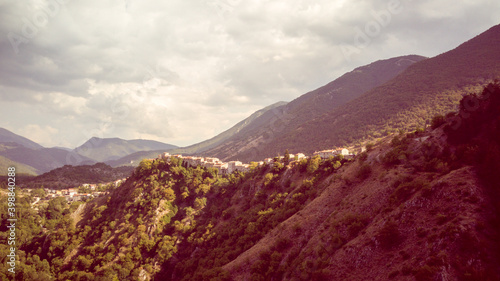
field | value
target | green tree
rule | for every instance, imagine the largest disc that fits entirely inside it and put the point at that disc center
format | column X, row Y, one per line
column 55, row 208
column 286, row 158
column 200, row 203
column 268, row 178
column 144, row 167
column 169, row 194
column 313, row 164
column 39, row 192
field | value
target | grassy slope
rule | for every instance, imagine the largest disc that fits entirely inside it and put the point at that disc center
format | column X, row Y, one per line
column 343, row 225
column 20, row 168
column 427, row 88
column 252, row 142
column 342, row 234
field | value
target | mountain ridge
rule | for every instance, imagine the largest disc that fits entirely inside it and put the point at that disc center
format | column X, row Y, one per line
column 412, row 207
column 249, row 143
column 426, row 88
column 8, row 136
column 212, row 142
column 107, row 149
column 41, row 160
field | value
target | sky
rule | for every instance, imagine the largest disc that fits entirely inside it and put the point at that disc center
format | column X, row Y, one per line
column 181, row 72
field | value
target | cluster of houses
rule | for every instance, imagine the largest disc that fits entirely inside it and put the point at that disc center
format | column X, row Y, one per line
column 225, row 168
column 72, row 194
column 325, row 154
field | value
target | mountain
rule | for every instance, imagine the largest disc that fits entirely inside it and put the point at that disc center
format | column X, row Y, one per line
column 8, row 136
column 252, row 142
column 257, row 119
column 252, row 120
column 20, row 168
column 105, row 149
column 135, row 158
column 31, row 158
column 73, row 176
column 415, row 206
column 44, row 159
column 424, row 89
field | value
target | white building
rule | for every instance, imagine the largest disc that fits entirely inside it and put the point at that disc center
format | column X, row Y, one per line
column 325, row 154
column 300, row 156
column 268, row 160
column 221, row 168
column 242, row 168
column 231, row 166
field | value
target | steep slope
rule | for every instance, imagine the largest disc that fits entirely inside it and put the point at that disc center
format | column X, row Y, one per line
column 420, row 206
column 252, row 120
column 427, row 88
column 20, row 168
column 105, row 149
column 390, row 225
column 248, row 143
column 8, row 136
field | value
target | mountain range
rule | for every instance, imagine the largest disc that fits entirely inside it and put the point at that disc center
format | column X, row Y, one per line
column 31, row 158
column 254, row 141
column 370, row 102
column 253, row 120
column 403, row 99
column 414, row 206
column 105, row 149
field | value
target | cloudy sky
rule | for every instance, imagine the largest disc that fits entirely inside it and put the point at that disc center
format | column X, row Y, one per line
column 183, row 71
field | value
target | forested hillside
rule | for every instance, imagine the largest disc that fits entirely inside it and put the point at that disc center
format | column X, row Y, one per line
column 417, row 206
column 427, row 88
column 251, row 143
column 73, row 176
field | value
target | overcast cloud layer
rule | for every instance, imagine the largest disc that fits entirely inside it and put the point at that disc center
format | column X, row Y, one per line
column 183, row 71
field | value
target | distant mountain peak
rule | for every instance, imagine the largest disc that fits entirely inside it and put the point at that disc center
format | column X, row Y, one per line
column 8, row 136
column 105, row 149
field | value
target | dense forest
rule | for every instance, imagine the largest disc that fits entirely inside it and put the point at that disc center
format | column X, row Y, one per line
column 425, row 201
column 72, row 176
column 161, row 210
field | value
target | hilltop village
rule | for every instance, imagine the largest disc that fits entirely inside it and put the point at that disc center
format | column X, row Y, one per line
column 88, row 191
column 225, row 168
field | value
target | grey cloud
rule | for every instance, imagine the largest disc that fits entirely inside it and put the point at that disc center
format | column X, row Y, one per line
column 200, row 60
